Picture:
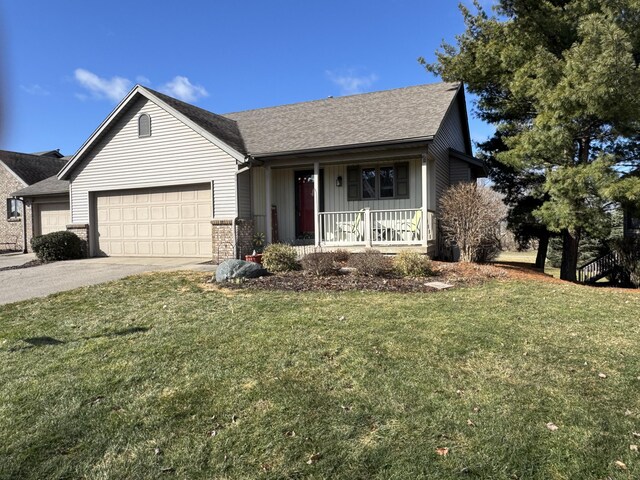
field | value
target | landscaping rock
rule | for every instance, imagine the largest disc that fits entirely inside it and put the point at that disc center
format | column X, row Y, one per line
column 439, row 285
column 232, row 269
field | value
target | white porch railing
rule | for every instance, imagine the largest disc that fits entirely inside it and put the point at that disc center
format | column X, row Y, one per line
column 376, row 227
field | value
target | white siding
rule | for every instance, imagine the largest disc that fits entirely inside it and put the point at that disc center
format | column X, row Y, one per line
column 450, row 135
column 174, row 154
column 258, row 199
column 282, row 196
column 244, row 195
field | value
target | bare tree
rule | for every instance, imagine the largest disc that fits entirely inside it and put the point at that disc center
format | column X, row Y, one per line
column 470, row 216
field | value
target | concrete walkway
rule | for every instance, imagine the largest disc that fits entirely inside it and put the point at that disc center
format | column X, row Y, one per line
column 43, row 280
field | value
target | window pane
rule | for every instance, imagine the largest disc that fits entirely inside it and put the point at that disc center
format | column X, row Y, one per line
column 13, row 208
column 386, row 182
column 368, row 183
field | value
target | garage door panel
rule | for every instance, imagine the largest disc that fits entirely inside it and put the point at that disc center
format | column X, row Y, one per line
column 54, row 217
column 157, row 230
column 171, row 221
column 157, row 213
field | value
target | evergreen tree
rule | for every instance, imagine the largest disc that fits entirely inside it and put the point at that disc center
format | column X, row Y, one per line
column 560, row 80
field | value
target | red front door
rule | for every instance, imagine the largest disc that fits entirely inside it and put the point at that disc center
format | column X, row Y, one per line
column 304, row 204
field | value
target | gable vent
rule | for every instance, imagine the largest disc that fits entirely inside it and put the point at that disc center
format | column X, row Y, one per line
column 144, row 125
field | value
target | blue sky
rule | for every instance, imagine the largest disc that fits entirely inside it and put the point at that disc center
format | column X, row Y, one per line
column 66, row 64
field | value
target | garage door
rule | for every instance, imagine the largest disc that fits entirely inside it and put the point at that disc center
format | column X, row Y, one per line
column 158, row 222
column 54, row 217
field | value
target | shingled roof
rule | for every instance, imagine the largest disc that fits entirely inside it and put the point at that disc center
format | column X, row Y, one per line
column 223, row 128
column 48, row 186
column 377, row 117
column 31, row 168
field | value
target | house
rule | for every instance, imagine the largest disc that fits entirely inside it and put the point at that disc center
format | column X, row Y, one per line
column 19, row 170
column 160, row 177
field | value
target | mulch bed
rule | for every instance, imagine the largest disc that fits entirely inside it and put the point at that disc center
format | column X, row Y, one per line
column 452, row 273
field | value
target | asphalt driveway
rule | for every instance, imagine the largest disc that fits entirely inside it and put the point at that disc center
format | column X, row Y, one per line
column 25, row 283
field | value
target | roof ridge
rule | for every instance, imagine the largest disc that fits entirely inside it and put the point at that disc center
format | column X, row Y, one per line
column 339, row 98
column 191, row 105
column 31, row 155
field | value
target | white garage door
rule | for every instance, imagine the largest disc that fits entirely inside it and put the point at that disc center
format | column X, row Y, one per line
column 155, row 222
column 54, row 217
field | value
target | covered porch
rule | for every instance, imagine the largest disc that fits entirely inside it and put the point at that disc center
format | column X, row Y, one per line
column 361, row 203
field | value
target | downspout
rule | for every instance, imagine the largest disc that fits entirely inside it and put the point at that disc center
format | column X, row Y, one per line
column 24, row 225
column 234, row 236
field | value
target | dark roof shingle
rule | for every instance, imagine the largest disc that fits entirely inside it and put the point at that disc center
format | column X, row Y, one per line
column 223, row 128
column 31, row 168
column 390, row 115
column 48, row 186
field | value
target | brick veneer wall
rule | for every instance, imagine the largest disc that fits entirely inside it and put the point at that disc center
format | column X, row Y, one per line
column 82, row 231
column 244, row 238
column 10, row 229
column 222, row 239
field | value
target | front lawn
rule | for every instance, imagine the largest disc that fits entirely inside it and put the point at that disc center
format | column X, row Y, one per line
column 155, row 377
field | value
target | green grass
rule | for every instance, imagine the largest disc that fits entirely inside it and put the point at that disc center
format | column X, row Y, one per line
column 93, row 381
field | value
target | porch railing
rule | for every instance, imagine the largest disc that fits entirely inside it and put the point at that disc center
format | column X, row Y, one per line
column 376, row 227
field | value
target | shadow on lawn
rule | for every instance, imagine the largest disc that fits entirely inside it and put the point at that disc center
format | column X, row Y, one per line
column 50, row 341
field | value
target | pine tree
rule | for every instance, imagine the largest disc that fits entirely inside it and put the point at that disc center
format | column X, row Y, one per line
column 560, row 80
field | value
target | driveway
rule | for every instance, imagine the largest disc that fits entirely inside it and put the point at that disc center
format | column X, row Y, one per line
column 43, row 280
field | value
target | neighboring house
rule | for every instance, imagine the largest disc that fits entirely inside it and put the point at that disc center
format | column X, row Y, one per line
column 19, row 170
column 160, row 177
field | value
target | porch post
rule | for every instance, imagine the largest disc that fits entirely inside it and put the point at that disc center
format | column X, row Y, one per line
column 425, row 201
column 267, row 201
column 316, row 203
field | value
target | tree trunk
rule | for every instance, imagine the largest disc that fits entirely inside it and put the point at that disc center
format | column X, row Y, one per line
column 570, row 242
column 543, row 247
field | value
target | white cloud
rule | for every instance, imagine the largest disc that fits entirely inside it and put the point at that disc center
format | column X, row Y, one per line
column 350, row 82
column 181, row 88
column 142, row 80
column 34, row 89
column 114, row 88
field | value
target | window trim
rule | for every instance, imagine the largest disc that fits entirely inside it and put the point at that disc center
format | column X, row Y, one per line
column 140, row 117
column 377, row 181
column 18, row 216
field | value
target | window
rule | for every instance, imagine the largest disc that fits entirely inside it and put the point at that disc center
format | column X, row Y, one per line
column 144, row 125
column 13, row 208
column 372, row 183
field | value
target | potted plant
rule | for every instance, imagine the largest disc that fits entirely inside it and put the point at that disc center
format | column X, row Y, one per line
column 258, row 245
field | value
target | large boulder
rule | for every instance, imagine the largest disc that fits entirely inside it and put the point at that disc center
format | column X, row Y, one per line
column 232, row 269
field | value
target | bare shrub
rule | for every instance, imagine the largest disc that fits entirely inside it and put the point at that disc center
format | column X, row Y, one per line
column 412, row 264
column 341, row 255
column 320, row 264
column 370, row 263
column 470, row 216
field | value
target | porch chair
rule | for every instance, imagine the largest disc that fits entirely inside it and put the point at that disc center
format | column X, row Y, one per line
column 411, row 228
column 352, row 231
column 357, row 230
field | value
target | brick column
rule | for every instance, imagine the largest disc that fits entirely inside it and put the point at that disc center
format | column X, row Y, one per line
column 82, row 231
column 222, row 240
column 244, row 237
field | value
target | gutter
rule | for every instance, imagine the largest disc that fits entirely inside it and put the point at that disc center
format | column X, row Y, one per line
column 311, row 151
